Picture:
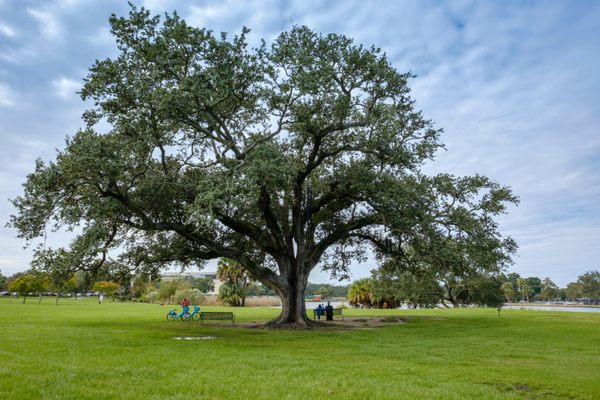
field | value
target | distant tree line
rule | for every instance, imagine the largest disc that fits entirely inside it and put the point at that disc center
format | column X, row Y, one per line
column 385, row 289
column 236, row 285
column 389, row 288
column 515, row 288
column 139, row 287
column 325, row 290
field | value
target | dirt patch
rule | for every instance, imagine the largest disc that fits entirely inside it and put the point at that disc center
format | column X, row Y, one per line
column 346, row 323
column 341, row 324
column 521, row 387
column 194, row 338
column 533, row 393
column 373, row 321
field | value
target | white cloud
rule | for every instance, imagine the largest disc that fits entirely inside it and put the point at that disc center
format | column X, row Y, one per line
column 102, row 37
column 48, row 22
column 17, row 56
column 72, row 3
column 159, row 6
column 65, row 87
column 14, row 264
column 7, row 96
column 7, row 31
column 264, row 18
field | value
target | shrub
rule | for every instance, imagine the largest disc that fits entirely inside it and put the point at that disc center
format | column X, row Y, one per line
column 194, row 296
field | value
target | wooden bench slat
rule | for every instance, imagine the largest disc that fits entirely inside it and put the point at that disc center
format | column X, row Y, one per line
column 217, row 316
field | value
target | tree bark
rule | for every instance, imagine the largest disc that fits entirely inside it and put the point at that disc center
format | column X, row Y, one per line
column 450, row 296
column 292, row 294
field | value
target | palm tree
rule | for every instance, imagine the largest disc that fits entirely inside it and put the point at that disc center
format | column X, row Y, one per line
column 508, row 291
column 524, row 288
column 236, row 281
column 359, row 293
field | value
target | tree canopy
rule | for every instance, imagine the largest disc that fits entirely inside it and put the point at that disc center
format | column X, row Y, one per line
column 30, row 282
column 589, row 284
column 204, row 285
column 109, row 288
column 3, row 280
column 549, row 290
column 304, row 153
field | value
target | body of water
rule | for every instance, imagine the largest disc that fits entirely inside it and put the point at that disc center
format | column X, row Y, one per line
column 555, row 308
column 311, row 305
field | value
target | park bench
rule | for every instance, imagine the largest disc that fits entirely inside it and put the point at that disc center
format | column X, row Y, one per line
column 217, row 316
column 336, row 311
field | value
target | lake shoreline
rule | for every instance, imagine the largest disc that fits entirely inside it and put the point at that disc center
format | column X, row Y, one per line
column 549, row 305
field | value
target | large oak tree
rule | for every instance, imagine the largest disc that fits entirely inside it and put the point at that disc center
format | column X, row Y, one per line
column 306, row 153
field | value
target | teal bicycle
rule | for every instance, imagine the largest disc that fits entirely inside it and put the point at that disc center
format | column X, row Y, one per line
column 185, row 314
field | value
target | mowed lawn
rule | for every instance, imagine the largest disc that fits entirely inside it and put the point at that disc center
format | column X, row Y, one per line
column 83, row 350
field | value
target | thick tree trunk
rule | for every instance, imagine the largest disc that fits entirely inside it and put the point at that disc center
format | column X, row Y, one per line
column 455, row 303
column 293, row 309
column 450, row 296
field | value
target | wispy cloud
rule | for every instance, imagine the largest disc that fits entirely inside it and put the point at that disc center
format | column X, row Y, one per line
column 49, row 24
column 65, row 88
column 7, row 31
column 101, row 37
column 70, row 4
column 7, row 96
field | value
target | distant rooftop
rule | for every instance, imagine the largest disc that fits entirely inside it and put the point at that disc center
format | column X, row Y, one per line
column 194, row 274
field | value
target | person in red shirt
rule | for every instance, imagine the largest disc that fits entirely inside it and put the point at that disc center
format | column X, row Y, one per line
column 186, row 305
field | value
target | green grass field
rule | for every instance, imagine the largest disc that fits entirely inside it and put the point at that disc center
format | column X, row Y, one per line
column 82, row 350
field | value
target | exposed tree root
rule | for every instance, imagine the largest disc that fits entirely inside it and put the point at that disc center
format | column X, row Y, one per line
column 304, row 323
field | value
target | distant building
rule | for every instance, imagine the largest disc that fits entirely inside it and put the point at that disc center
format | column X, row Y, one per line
column 194, row 274
column 166, row 276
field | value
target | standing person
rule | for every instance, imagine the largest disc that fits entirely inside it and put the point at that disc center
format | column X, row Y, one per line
column 186, row 305
column 100, row 298
column 329, row 312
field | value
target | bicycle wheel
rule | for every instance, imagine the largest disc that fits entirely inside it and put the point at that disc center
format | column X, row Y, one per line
column 170, row 317
column 196, row 317
column 186, row 317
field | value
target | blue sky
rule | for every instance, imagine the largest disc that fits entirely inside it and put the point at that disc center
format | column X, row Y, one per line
column 514, row 84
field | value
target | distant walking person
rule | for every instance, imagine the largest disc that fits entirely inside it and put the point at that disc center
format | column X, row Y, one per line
column 329, row 312
column 100, row 298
